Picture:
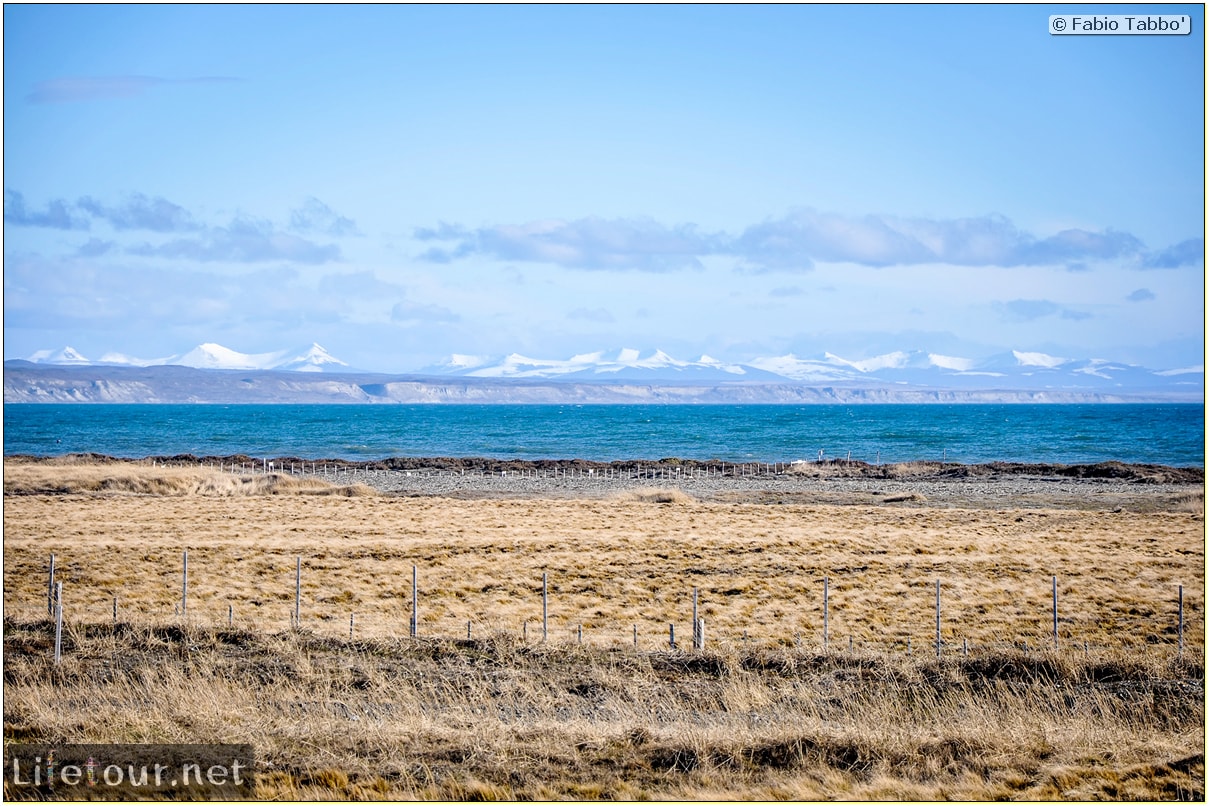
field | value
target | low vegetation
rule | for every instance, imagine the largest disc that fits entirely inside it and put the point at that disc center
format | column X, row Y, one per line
column 497, row 719
column 764, row 712
column 110, row 478
column 655, row 495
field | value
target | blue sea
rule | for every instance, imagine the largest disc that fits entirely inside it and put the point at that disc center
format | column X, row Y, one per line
column 1170, row 434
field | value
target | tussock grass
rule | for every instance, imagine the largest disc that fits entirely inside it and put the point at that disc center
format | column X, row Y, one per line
column 656, row 495
column 1193, row 502
column 76, row 476
column 498, row 719
column 906, row 497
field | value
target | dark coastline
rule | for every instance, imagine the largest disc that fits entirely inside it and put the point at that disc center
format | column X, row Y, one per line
column 671, row 467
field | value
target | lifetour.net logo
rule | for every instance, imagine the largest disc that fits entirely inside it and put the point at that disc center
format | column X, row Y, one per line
column 128, row 771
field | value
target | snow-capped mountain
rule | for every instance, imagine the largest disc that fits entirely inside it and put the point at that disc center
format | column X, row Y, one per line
column 208, row 356
column 312, row 359
column 1011, row 370
column 897, row 364
column 215, row 356
column 1015, row 369
column 68, row 356
column 625, row 364
column 900, row 369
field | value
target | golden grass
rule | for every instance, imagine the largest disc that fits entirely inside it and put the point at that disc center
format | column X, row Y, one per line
column 655, row 495
column 1193, row 502
column 72, row 477
column 382, row 716
column 613, row 564
column 492, row 719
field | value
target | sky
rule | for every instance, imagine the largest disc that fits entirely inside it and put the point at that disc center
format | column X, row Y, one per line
column 404, row 183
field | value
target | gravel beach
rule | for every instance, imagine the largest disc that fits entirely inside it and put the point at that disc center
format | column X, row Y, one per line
column 1007, row 490
column 1108, row 486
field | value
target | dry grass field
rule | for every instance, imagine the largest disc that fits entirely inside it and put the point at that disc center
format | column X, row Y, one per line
column 1113, row 714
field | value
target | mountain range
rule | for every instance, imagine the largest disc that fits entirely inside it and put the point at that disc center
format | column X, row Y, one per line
column 621, row 375
column 1011, row 370
column 206, row 356
column 616, row 365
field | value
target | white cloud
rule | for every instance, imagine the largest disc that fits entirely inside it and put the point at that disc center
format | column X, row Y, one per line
column 798, row 240
column 589, row 243
column 1027, row 310
column 796, row 243
column 244, row 240
column 412, row 314
column 57, row 215
column 1185, row 253
column 316, row 218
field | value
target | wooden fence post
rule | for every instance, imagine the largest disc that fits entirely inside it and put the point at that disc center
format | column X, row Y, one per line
column 1181, row 627
column 1054, row 580
column 696, row 632
column 938, row 618
column 825, row 625
column 58, row 622
column 415, row 606
column 185, row 586
column 50, row 590
column 298, row 593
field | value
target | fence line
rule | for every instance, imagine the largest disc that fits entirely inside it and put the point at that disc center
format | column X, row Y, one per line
column 617, row 633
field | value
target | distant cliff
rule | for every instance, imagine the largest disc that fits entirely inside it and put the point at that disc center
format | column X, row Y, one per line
column 29, row 383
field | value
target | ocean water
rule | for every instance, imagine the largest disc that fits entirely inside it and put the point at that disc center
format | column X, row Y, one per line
column 1172, row 434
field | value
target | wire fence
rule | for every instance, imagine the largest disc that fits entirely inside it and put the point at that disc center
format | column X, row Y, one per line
column 407, row 617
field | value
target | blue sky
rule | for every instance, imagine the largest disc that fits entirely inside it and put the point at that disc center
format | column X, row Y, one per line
column 402, row 183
